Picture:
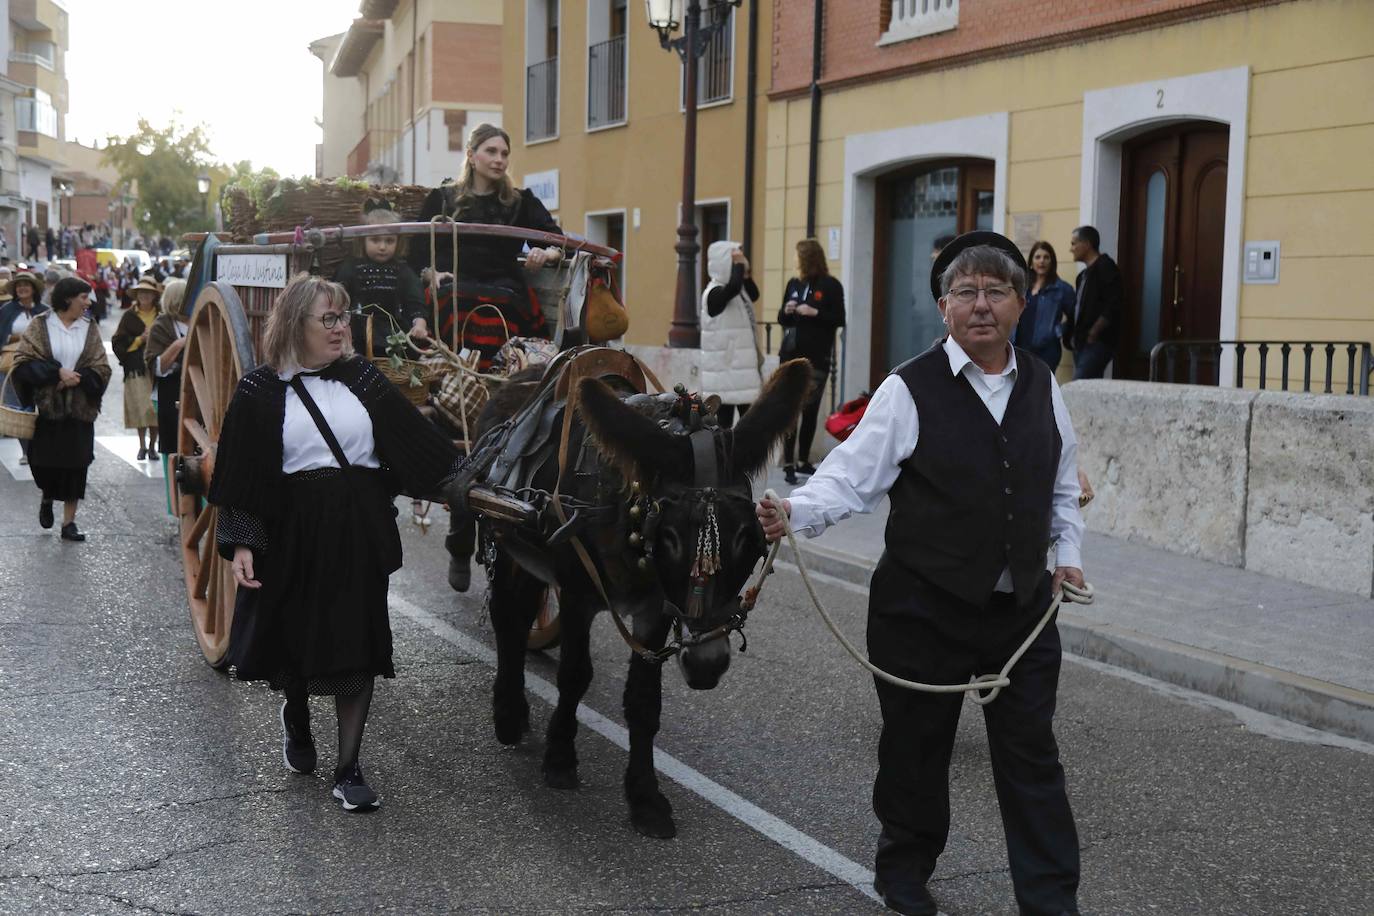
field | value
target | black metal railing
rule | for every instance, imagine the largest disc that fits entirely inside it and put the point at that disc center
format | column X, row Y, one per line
column 1204, row 359
column 715, row 67
column 541, row 99
column 606, row 82
column 835, row 352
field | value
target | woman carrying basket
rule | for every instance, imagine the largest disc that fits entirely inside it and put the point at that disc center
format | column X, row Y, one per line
column 314, row 447
column 488, row 269
column 15, row 317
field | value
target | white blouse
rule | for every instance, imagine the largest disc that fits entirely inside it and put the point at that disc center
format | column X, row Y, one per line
column 21, row 322
column 67, row 342
column 304, row 446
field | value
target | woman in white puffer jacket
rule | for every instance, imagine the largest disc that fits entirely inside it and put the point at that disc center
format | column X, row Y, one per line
column 731, row 362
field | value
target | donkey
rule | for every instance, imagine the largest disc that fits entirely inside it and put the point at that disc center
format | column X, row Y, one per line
column 646, row 545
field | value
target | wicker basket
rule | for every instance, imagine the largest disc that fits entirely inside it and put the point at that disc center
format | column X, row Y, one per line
column 15, row 422
column 428, row 371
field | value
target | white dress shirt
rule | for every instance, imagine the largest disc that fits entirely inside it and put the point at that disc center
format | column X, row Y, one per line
column 303, row 445
column 67, row 343
column 861, row 470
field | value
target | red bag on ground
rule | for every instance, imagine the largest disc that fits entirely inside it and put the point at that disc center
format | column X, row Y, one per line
column 843, row 421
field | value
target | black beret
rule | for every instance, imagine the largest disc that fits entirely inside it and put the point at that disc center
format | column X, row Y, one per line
column 971, row 240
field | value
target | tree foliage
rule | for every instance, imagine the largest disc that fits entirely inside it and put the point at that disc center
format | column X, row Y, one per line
column 164, row 164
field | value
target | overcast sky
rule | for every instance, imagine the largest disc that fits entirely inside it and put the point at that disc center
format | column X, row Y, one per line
column 242, row 67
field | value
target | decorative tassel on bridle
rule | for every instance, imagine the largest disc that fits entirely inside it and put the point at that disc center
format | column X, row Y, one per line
column 707, row 561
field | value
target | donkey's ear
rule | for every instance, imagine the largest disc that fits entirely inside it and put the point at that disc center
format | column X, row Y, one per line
column 628, row 439
column 771, row 417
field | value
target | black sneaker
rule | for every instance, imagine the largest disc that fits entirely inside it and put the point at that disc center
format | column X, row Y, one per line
column 45, row 514
column 789, row 474
column 806, row 468
column 143, row 454
column 297, row 745
column 459, row 573
column 69, row 533
column 354, row 792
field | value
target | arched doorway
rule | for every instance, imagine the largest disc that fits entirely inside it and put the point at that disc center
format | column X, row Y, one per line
column 1173, row 223
column 915, row 208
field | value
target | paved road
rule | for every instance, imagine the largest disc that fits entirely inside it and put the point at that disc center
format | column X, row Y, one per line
column 138, row 780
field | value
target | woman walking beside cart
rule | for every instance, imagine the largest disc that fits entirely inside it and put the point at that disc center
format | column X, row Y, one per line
column 162, row 357
column 314, row 447
column 130, row 339
column 62, row 369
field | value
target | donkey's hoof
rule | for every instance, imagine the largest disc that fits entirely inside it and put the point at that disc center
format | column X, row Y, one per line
column 512, row 724
column 654, row 819
column 561, row 778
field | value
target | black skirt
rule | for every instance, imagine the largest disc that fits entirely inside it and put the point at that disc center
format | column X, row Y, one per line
column 320, row 617
column 60, row 453
column 168, row 416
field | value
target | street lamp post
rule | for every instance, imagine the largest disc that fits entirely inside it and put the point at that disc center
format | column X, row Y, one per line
column 664, row 17
column 203, row 186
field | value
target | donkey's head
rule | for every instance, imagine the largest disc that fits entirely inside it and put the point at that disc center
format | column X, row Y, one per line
column 692, row 506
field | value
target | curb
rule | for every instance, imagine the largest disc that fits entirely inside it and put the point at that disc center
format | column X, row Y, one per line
column 1296, row 697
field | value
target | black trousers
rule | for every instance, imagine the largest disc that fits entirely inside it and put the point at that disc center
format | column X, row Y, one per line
column 922, row 633
column 820, row 373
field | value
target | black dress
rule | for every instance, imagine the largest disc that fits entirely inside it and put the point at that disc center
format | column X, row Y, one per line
column 489, row 270
column 392, row 287
column 61, row 450
column 324, row 540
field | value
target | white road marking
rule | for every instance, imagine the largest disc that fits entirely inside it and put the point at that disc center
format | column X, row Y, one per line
column 9, row 457
column 751, row 815
column 125, row 448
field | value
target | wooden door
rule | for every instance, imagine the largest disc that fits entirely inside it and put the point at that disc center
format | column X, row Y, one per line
column 1173, row 216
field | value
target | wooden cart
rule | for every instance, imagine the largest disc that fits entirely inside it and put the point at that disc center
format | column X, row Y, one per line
column 227, row 321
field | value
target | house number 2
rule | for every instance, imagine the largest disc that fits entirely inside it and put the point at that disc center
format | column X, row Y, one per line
column 1159, row 98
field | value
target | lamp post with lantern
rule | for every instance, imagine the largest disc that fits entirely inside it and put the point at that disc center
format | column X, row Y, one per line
column 203, row 186
column 665, row 16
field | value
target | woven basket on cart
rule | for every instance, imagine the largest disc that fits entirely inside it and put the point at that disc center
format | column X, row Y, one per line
column 462, row 395
column 426, row 372
column 15, row 422
column 291, row 203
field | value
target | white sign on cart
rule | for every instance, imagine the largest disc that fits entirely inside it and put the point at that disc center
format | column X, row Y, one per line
column 262, row 270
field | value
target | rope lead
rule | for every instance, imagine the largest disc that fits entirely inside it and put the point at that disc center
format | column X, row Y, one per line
column 992, row 683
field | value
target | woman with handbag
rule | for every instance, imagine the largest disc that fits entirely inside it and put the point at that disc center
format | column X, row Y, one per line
column 812, row 309
column 15, row 317
column 61, row 368
column 128, row 344
column 313, row 450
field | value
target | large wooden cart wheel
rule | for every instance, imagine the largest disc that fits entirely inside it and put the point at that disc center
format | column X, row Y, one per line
column 219, row 350
column 545, row 631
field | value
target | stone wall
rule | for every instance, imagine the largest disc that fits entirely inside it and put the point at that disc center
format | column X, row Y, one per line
column 1311, row 501
column 1280, row 483
column 1168, row 463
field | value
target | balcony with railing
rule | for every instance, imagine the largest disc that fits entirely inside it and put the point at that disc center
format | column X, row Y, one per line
column 606, row 83
column 715, row 68
column 909, row 19
column 541, row 100
column 40, row 53
column 36, row 116
column 359, row 157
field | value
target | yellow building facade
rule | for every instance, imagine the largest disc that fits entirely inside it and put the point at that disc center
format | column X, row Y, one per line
column 1044, row 141
column 594, row 109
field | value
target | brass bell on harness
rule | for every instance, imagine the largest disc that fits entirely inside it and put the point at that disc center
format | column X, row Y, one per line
column 635, row 539
column 643, row 564
column 636, row 512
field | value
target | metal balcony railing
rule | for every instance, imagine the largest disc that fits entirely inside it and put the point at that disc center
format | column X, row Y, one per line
column 606, row 82
column 541, row 100
column 1351, row 358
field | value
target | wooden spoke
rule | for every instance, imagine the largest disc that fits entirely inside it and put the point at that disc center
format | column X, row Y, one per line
column 205, row 553
column 200, row 434
column 199, row 386
column 198, row 528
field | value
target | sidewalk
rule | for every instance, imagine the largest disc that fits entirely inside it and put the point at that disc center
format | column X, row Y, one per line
column 1277, row 646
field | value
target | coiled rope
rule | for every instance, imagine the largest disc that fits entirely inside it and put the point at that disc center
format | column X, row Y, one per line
column 991, row 683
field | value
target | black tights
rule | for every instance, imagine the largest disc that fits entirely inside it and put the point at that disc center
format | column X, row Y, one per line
column 352, row 712
column 726, row 414
column 810, row 410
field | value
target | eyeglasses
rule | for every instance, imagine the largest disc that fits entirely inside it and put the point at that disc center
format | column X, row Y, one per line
column 968, row 295
column 332, row 320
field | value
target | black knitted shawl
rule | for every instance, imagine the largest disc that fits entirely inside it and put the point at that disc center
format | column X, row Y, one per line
column 419, row 459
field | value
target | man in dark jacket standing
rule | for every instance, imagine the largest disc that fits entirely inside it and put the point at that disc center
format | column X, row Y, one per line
column 1093, row 333
column 974, row 447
